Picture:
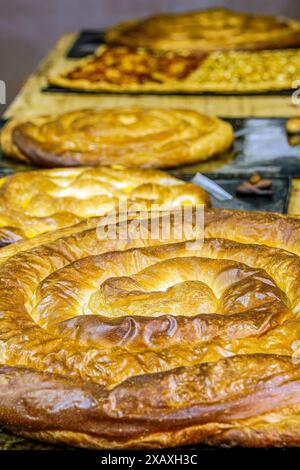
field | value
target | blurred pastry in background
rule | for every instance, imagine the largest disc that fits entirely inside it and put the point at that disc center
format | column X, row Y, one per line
column 123, row 69
column 207, row 31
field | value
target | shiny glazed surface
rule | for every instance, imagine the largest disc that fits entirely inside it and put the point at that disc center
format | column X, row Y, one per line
column 130, row 137
column 39, row 201
column 134, row 343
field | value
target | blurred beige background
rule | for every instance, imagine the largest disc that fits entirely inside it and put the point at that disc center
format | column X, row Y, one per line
column 28, row 28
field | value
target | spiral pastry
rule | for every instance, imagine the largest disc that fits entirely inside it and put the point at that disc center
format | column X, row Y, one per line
column 40, row 201
column 207, row 31
column 131, row 137
column 134, row 343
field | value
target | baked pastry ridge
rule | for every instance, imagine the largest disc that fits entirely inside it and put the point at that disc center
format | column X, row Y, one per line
column 130, row 137
column 214, row 361
column 207, row 31
column 39, row 201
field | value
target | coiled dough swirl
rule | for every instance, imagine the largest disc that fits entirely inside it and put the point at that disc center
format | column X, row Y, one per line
column 135, row 343
column 130, row 136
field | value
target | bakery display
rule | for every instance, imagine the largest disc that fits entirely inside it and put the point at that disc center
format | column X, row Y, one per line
column 130, row 137
column 207, row 31
column 134, row 315
column 123, row 69
column 40, row 201
column 135, row 343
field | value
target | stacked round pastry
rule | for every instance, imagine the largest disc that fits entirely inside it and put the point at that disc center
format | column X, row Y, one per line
column 40, row 201
column 207, row 31
column 131, row 137
column 135, row 343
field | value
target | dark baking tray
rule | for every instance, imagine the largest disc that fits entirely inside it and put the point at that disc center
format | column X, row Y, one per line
column 58, row 89
column 277, row 202
column 86, row 43
column 261, row 144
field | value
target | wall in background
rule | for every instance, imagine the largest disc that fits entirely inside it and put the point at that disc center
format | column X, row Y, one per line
column 28, row 28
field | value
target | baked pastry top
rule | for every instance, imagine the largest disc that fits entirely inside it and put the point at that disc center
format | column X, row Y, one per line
column 206, row 31
column 131, row 137
column 123, row 69
column 40, row 201
column 127, row 66
column 135, row 343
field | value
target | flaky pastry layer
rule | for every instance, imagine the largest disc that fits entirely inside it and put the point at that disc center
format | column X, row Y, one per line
column 40, row 201
column 138, row 343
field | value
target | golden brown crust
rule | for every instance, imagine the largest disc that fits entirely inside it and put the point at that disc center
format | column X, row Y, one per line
column 130, row 66
column 44, row 200
column 124, row 69
column 204, row 410
column 158, row 345
column 207, row 31
column 116, row 69
column 130, row 137
column 293, row 126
